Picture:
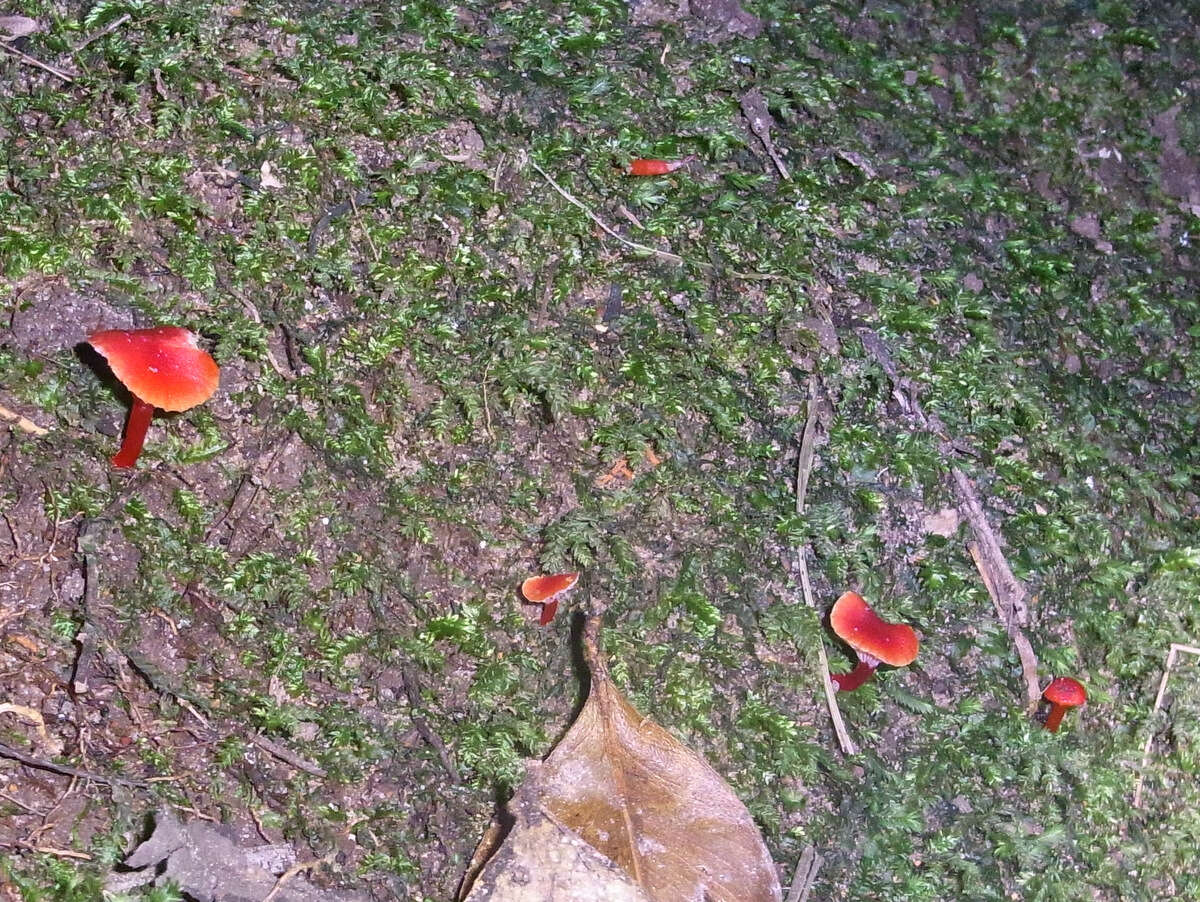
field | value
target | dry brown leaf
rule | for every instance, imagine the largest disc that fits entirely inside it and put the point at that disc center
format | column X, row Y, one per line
column 635, row 794
column 543, row 861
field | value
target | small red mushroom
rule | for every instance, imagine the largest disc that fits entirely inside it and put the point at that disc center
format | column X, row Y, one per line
column 874, row 640
column 1062, row 693
column 162, row 367
column 546, row 591
column 657, row 167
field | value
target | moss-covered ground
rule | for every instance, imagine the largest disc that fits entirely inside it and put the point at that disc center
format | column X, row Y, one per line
column 433, row 364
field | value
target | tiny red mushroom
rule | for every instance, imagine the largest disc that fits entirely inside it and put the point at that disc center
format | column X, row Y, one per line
column 657, row 167
column 547, row 590
column 162, row 367
column 1062, row 693
column 873, row 639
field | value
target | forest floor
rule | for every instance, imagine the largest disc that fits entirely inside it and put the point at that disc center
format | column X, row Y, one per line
column 461, row 344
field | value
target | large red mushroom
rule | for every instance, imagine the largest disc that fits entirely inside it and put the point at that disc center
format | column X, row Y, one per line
column 1062, row 694
column 546, row 591
column 873, row 639
column 162, row 367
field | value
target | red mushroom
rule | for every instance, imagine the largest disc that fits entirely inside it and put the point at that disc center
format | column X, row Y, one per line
column 162, row 367
column 1062, row 693
column 546, row 591
column 657, row 167
column 874, row 640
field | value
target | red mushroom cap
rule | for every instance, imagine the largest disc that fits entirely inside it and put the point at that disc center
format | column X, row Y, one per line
column 163, row 366
column 545, row 588
column 1066, row 692
column 863, row 630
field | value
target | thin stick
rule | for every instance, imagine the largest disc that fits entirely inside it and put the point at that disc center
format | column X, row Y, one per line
column 48, row 850
column 64, row 770
column 805, row 875
column 1007, row 592
column 1029, row 662
column 1158, row 700
column 107, row 29
column 427, row 732
column 286, row 755
column 803, row 469
column 605, row 227
column 29, row 60
column 23, row 423
column 291, row 873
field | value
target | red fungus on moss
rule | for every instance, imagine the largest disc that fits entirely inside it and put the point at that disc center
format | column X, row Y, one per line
column 873, row 639
column 1062, row 693
column 162, row 367
column 657, row 167
column 546, row 591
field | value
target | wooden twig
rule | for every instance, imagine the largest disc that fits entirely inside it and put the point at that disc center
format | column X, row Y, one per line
column 48, row 850
column 1007, row 592
column 646, row 249
column 42, row 764
column 23, row 423
column 86, row 546
column 291, row 873
column 803, row 470
column 1175, row 649
column 805, row 875
column 107, row 29
column 427, row 732
column 603, row 226
column 1029, row 662
column 286, row 755
column 32, row 61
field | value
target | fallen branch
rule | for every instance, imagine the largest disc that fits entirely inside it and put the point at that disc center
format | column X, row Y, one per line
column 107, row 29
column 427, row 732
column 292, row 872
column 1158, row 700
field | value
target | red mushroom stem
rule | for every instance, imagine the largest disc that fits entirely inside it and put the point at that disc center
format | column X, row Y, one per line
column 848, row 682
column 135, row 434
column 1054, row 718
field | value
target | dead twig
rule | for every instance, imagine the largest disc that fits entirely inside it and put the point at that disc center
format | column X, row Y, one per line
column 754, row 108
column 806, row 875
column 86, row 543
column 23, row 423
column 247, row 490
column 646, row 249
column 292, row 872
column 803, row 470
column 64, row 770
column 47, row 850
column 1025, row 653
column 286, row 755
column 427, row 732
column 1007, row 592
column 1174, row 651
column 32, row 61
column 600, row 223
column 107, row 29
